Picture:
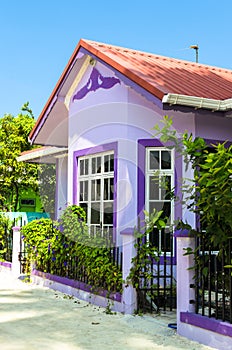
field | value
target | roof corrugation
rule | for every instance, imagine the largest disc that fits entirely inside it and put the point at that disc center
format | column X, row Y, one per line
column 167, row 75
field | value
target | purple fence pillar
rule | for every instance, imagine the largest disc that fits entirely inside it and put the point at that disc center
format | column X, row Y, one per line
column 15, row 268
column 129, row 296
column 185, row 275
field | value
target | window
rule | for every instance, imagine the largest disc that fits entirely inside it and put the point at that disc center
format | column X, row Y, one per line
column 96, row 191
column 159, row 184
column 28, row 202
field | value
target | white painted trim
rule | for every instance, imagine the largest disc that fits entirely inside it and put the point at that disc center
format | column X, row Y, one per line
column 76, row 81
column 198, row 102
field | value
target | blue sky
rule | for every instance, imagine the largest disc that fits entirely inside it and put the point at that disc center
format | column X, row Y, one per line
column 38, row 37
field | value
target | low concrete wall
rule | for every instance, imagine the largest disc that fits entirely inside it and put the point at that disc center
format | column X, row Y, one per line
column 5, row 265
column 70, row 287
column 205, row 330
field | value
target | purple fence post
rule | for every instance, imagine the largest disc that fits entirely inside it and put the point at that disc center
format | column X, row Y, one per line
column 129, row 295
column 185, row 275
column 15, row 268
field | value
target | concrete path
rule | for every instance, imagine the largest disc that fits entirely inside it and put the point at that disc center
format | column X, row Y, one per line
column 36, row 318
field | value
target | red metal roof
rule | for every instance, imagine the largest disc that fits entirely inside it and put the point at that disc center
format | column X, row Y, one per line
column 162, row 75
column 157, row 74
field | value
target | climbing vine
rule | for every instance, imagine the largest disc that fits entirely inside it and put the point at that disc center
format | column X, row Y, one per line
column 144, row 248
column 209, row 194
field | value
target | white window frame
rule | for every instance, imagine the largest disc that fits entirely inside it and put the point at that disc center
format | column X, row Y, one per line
column 150, row 173
column 89, row 177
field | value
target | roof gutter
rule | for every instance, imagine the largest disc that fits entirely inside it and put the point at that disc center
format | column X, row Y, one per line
column 198, row 102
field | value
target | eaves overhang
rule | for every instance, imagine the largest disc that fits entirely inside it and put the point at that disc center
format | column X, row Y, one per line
column 198, row 102
column 43, row 155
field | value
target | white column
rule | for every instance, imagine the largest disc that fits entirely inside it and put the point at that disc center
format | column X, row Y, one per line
column 15, row 268
column 129, row 296
column 185, row 275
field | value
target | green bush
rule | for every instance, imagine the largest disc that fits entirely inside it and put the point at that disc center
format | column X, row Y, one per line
column 54, row 246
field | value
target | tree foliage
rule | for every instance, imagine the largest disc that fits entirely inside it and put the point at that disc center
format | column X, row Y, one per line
column 15, row 176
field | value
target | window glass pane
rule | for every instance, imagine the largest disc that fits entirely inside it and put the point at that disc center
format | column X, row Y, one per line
column 154, row 159
column 93, row 190
column 167, row 211
column 106, row 189
column 166, row 160
column 81, row 191
column 108, row 213
column 98, row 164
column 98, row 189
column 111, row 162
column 82, row 166
column 166, row 187
column 86, row 190
column 154, row 188
column 111, row 189
column 154, row 238
column 95, row 213
column 161, row 205
column 93, row 166
column 106, row 164
column 165, row 240
column 158, row 206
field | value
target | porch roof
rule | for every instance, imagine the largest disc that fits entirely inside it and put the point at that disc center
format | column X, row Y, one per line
column 44, row 154
column 172, row 81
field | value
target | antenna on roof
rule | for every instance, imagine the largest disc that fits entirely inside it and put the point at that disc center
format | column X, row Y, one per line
column 196, row 48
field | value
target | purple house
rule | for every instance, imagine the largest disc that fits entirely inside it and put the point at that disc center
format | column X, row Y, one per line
column 97, row 126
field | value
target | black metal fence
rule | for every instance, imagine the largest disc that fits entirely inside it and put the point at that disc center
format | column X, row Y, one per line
column 74, row 268
column 157, row 283
column 213, row 281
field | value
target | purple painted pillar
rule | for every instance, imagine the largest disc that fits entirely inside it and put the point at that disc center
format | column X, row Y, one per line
column 185, row 275
column 129, row 296
column 15, row 267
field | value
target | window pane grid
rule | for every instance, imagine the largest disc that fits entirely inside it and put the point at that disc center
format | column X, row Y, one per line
column 159, row 184
column 96, row 192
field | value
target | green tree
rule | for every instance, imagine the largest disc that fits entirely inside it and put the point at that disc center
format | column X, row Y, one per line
column 15, row 176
